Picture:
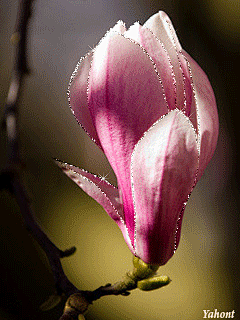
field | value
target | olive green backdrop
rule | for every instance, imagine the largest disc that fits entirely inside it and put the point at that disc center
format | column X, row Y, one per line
column 205, row 268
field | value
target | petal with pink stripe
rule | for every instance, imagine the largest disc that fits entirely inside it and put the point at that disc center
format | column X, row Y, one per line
column 164, row 166
column 125, row 98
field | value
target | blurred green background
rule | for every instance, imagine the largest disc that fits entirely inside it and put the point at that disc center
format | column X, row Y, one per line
column 205, row 268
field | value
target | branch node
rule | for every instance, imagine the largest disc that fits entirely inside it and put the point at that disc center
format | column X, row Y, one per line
column 68, row 252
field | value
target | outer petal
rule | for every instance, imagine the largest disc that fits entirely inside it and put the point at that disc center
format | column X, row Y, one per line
column 77, row 95
column 206, row 110
column 101, row 191
column 162, row 27
column 77, row 91
column 125, row 99
column 164, row 167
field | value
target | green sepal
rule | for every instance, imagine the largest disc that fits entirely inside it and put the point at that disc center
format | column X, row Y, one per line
column 143, row 270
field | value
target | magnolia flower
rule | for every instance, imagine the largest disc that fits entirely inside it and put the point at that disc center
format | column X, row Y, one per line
column 151, row 109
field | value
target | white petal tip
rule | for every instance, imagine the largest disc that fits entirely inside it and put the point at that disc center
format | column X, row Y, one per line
column 119, row 27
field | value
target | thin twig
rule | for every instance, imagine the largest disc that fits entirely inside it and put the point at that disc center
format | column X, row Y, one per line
column 20, row 69
column 10, row 177
column 63, row 285
column 143, row 276
column 78, row 303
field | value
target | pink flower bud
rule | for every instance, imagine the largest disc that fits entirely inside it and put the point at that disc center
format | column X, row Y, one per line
column 151, row 109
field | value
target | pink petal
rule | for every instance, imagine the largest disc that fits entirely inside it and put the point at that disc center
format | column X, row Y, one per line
column 206, row 110
column 162, row 27
column 125, row 99
column 77, row 91
column 101, row 191
column 160, row 57
column 164, row 167
column 77, row 95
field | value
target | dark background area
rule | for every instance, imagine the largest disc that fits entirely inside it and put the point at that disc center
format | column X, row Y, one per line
column 205, row 268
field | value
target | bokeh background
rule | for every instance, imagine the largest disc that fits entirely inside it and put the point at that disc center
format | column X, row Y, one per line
column 205, row 268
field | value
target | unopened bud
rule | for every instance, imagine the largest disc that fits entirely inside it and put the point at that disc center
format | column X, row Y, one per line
column 153, row 283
